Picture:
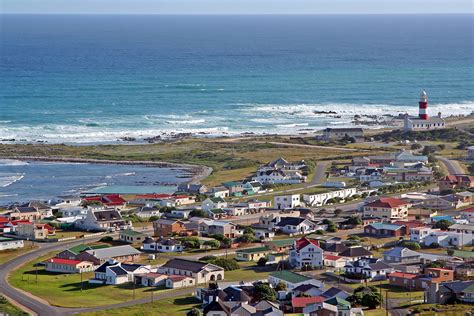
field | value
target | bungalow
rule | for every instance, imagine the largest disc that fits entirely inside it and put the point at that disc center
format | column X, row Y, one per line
column 295, row 225
column 401, row 255
column 183, row 199
column 252, row 254
column 335, row 292
column 334, row 261
column 356, row 253
column 101, row 220
column 146, row 212
column 369, row 268
column 73, row 252
column 131, row 236
column 162, row 245
column 179, row 281
column 150, row 279
column 387, row 208
column 442, row 293
column 25, row 213
column 468, row 214
column 107, row 200
column 213, row 227
column 193, row 188
column 201, row 272
column 299, row 303
column 180, row 213
column 253, row 186
column 113, row 273
column 219, row 192
column 124, row 253
column 213, row 203
column 166, row 227
column 279, row 177
column 10, row 243
column 291, row 279
column 68, row 265
column 320, row 199
column 235, row 210
column 385, row 230
column 217, row 213
column 263, row 234
column 456, row 182
column 282, row 202
column 306, row 253
column 280, row 245
column 307, row 290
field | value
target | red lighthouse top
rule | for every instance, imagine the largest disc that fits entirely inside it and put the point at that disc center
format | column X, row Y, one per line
column 423, row 106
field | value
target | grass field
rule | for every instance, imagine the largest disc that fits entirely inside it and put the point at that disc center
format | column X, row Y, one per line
column 393, row 292
column 8, row 309
column 7, row 255
column 167, row 307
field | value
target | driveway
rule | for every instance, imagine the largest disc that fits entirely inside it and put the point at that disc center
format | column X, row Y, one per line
column 453, row 166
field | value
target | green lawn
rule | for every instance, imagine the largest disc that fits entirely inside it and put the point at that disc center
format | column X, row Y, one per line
column 65, row 289
column 167, row 307
column 7, row 255
column 8, row 309
column 249, row 271
column 393, row 292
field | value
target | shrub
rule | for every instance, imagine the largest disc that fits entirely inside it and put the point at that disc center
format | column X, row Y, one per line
column 262, row 262
column 107, row 239
column 227, row 264
column 208, row 258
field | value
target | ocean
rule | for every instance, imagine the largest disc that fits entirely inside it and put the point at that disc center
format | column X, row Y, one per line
column 22, row 181
column 97, row 78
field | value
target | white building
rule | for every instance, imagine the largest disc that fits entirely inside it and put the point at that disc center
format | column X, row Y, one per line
column 422, row 121
column 371, row 268
column 213, row 203
column 295, row 225
column 279, row 177
column 320, row 199
column 113, row 273
column 101, row 220
column 306, row 253
column 282, row 202
column 162, row 245
column 10, row 243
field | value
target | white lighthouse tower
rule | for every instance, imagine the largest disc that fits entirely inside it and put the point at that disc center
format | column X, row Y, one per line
column 423, row 106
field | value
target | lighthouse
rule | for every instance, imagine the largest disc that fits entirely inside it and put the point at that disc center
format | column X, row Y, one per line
column 423, row 106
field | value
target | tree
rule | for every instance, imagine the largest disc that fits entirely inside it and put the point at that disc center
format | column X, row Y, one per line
column 416, row 146
column 153, row 218
column 191, row 242
column 107, row 239
column 265, row 292
column 371, row 300
column 194, row 312
column 262, row 262
column 226, row 242
column 354, row 221
column 443, row 224
column 411, row 245
column 280, row 286
column 212, row 243
column 366, row 296
column 434, row 245
column 247, row 238
column 197, row 213
column 249, row 230
column 436, row 264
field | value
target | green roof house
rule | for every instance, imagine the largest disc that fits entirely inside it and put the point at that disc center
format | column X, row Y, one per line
column 252, row 254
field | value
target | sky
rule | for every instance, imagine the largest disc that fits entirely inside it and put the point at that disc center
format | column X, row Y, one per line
column 235, row 6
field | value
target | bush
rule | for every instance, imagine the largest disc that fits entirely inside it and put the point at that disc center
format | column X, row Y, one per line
column 191, row 242
column 434, row 245
column 227, row 264
column 194, row 312
column 107, row 239
column 265, row 292
column 262, row 262
column 443, row 224
column 280, row 286
column 411, row 245
column 208, row 258
column 153, row 218
column 247, row 238
column 213, row 243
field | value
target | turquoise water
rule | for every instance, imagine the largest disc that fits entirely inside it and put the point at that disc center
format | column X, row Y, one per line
column 99, row 78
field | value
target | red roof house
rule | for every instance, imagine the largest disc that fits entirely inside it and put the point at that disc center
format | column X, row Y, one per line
column 299, row 303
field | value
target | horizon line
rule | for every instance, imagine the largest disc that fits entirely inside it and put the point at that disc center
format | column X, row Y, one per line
column 238, row 14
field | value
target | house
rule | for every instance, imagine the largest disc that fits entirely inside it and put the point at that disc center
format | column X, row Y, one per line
column 335, row 292
column 456, row 182
column 10, row 243
column 233, row 210
column 73, row 252
column 98, row 219
column 356, row 253
column 282, row 202
column 263, row 234
column 146, row 212
column 220, row 192
column 334, row 261
column 401, row 255
column 295, row 225
column 253, row 186
column 279, row 177
column 283, row 164
column 34, row 230
column 151, row 279
column 107, row 200
column 98, row 256
column 421, row 282
column 112, row 272
column 387, row 208
column 368, row 268
column 30, row 214
column 306, row 253
column 291, row 279
column 201, row 272
column 330, row 134
column 218, row 213
column 320, row 199
column 213, row 227
column 162, row 244
column 68, row 265
column 73, row 212
column 335, row 248
column 131, row 236
column 213, row 203
column 179, row 281
column 307, row 290
column 385, row 230
column 468, row 214
column 193, row 188
column 280, row 245
column 442, row 293
column 252, row 254
column 299, row 303
column 235, row 188
column 181, row 213
column 166, row 227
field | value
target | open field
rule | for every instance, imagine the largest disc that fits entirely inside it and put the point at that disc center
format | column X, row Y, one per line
column 167, row 307
column 6, row 308
column 7, row 255
column 393, row 292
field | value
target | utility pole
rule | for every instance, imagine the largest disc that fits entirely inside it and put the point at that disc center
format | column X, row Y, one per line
column 386, row 303
column 36, row 272
column 152, row 294
column 134, row 289
column 81, row 280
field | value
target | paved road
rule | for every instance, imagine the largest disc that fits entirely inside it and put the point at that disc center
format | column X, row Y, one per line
column 320, row 172
column 453, row 166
